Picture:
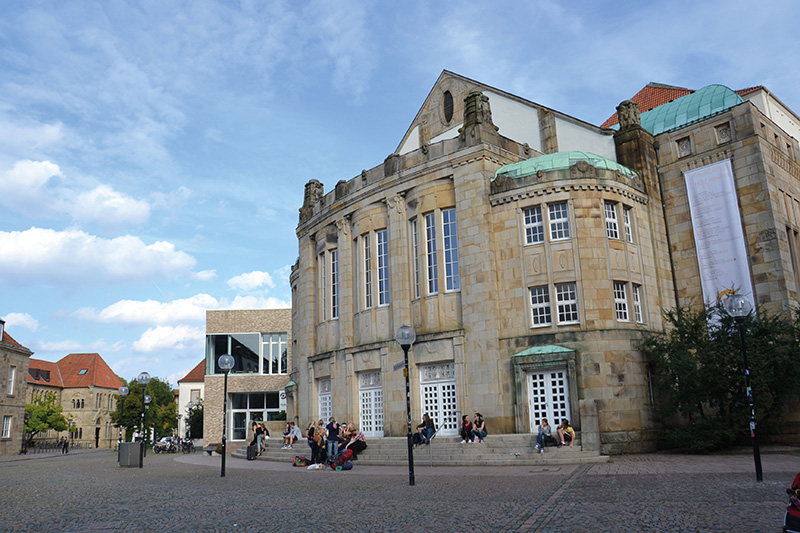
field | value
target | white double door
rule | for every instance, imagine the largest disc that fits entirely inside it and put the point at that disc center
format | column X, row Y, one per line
column 548, row 397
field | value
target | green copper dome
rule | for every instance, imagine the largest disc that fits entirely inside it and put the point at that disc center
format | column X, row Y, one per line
column 689, row 109
column 560, row 161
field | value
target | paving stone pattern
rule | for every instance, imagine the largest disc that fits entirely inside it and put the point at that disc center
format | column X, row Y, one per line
column 88, row 491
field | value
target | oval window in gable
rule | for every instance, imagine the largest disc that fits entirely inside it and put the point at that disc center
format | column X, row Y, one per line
column 447, row 104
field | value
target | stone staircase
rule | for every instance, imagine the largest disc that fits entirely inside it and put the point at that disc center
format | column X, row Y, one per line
column 496, row 450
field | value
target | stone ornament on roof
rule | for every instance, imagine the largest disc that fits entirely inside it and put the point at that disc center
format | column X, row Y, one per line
column 628, row 112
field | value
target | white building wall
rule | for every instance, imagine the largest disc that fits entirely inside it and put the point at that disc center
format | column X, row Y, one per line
column 184, row 397
column 571, row 137
column 516, row 120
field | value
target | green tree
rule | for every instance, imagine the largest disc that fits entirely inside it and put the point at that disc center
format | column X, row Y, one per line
column 698, row 372
column 194, row 423
column 161, row 414
column 43, row 414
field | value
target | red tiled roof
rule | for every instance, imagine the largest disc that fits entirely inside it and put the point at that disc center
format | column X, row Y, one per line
column 44, row 373
column 8, row 339
column 651, row 96
column 87, row 370
column 197, row 374
column 748, row 90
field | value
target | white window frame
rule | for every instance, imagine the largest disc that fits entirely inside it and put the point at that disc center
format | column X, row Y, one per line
column 431, row 266
column 415, row 255
column 6, row 427
column 558, row 215
column 541, row 312
column 567, row 303
column 325, row 396
column 12, row 378
column 628, row 222
column 367, row 269
column 452, row 275
column 534, row 224
column 612, row 226
column 382, row 238
column 323, row 285
column 621, row 301
column 637, row 303
column 334, row 284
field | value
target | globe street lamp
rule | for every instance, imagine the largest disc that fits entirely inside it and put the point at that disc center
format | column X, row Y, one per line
column 226, row 363
column 405, row 337
column 739, row 307
column 143, row 380
column 123, row 392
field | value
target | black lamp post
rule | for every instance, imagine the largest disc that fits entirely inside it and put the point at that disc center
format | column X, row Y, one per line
column 147, row 435
column 226, row 363
column 25, row 434
column 123, row 392
column 178, row 427
column 405, row 337
column 143, row 380
column 739, row 307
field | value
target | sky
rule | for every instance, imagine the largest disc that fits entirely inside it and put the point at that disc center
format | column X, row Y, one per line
column 153, row 154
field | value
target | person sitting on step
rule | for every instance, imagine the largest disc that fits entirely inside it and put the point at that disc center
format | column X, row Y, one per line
column 566, row 433
column 544, row 432
column 479, row 428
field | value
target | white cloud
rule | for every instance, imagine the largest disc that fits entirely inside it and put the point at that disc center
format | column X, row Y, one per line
column 152, row 312
column 107, row 206
column 258, row 302
column 44, row 255
column 251, row 280
column 24, row 137
column 66, row 346
column 21, row 320
column 171, row 338
column 22, row 186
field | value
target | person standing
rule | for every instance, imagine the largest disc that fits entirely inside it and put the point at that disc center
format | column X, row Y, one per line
column 332, row 432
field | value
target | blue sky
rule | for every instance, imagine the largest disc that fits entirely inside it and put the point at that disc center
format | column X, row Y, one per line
column 153, row 154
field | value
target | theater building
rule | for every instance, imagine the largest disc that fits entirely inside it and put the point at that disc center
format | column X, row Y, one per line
column 531, row 251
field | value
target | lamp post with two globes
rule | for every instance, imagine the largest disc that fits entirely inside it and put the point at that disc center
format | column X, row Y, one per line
column 143, row 380
column 226, row 363
column 123, row 392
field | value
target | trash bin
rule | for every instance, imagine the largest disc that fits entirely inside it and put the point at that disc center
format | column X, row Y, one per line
column 129, row 453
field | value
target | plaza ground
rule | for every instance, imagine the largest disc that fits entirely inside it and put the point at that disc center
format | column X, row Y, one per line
column 88, row 491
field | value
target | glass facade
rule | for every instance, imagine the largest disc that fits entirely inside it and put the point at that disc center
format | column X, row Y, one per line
column 253, row 353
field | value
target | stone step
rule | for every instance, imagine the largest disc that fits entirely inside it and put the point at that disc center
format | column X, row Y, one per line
column 498, row 450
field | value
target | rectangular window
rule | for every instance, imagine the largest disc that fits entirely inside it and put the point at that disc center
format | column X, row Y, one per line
column 325, row 397
column 567, row 302
column 612, row 229
column 621, row 301
column 367, row 273
column 540, row 306
column 450, row 234
column 383, row 267
column 415, row 253
column 334, row 284
column 7, row 427
column 626, row 218
column 534, row 225
column 194, row 396
column 12, row 377
column 323, row 289
column 430, row 253
column 559, row 221
column 637, row 303
column 274, row 353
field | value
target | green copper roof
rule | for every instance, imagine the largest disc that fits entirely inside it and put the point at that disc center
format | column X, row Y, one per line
column 689, row 109
column 560, row 161
column 541, row 350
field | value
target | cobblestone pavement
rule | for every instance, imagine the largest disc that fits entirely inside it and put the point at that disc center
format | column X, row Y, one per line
column 89, row 492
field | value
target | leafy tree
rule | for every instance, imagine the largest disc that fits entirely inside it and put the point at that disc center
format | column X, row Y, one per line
column 43, row 414
column 698, row 372
column 161, row 414
column 195, row 421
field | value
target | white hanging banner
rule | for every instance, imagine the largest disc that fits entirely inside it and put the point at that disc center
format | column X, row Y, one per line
column 718, row 236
